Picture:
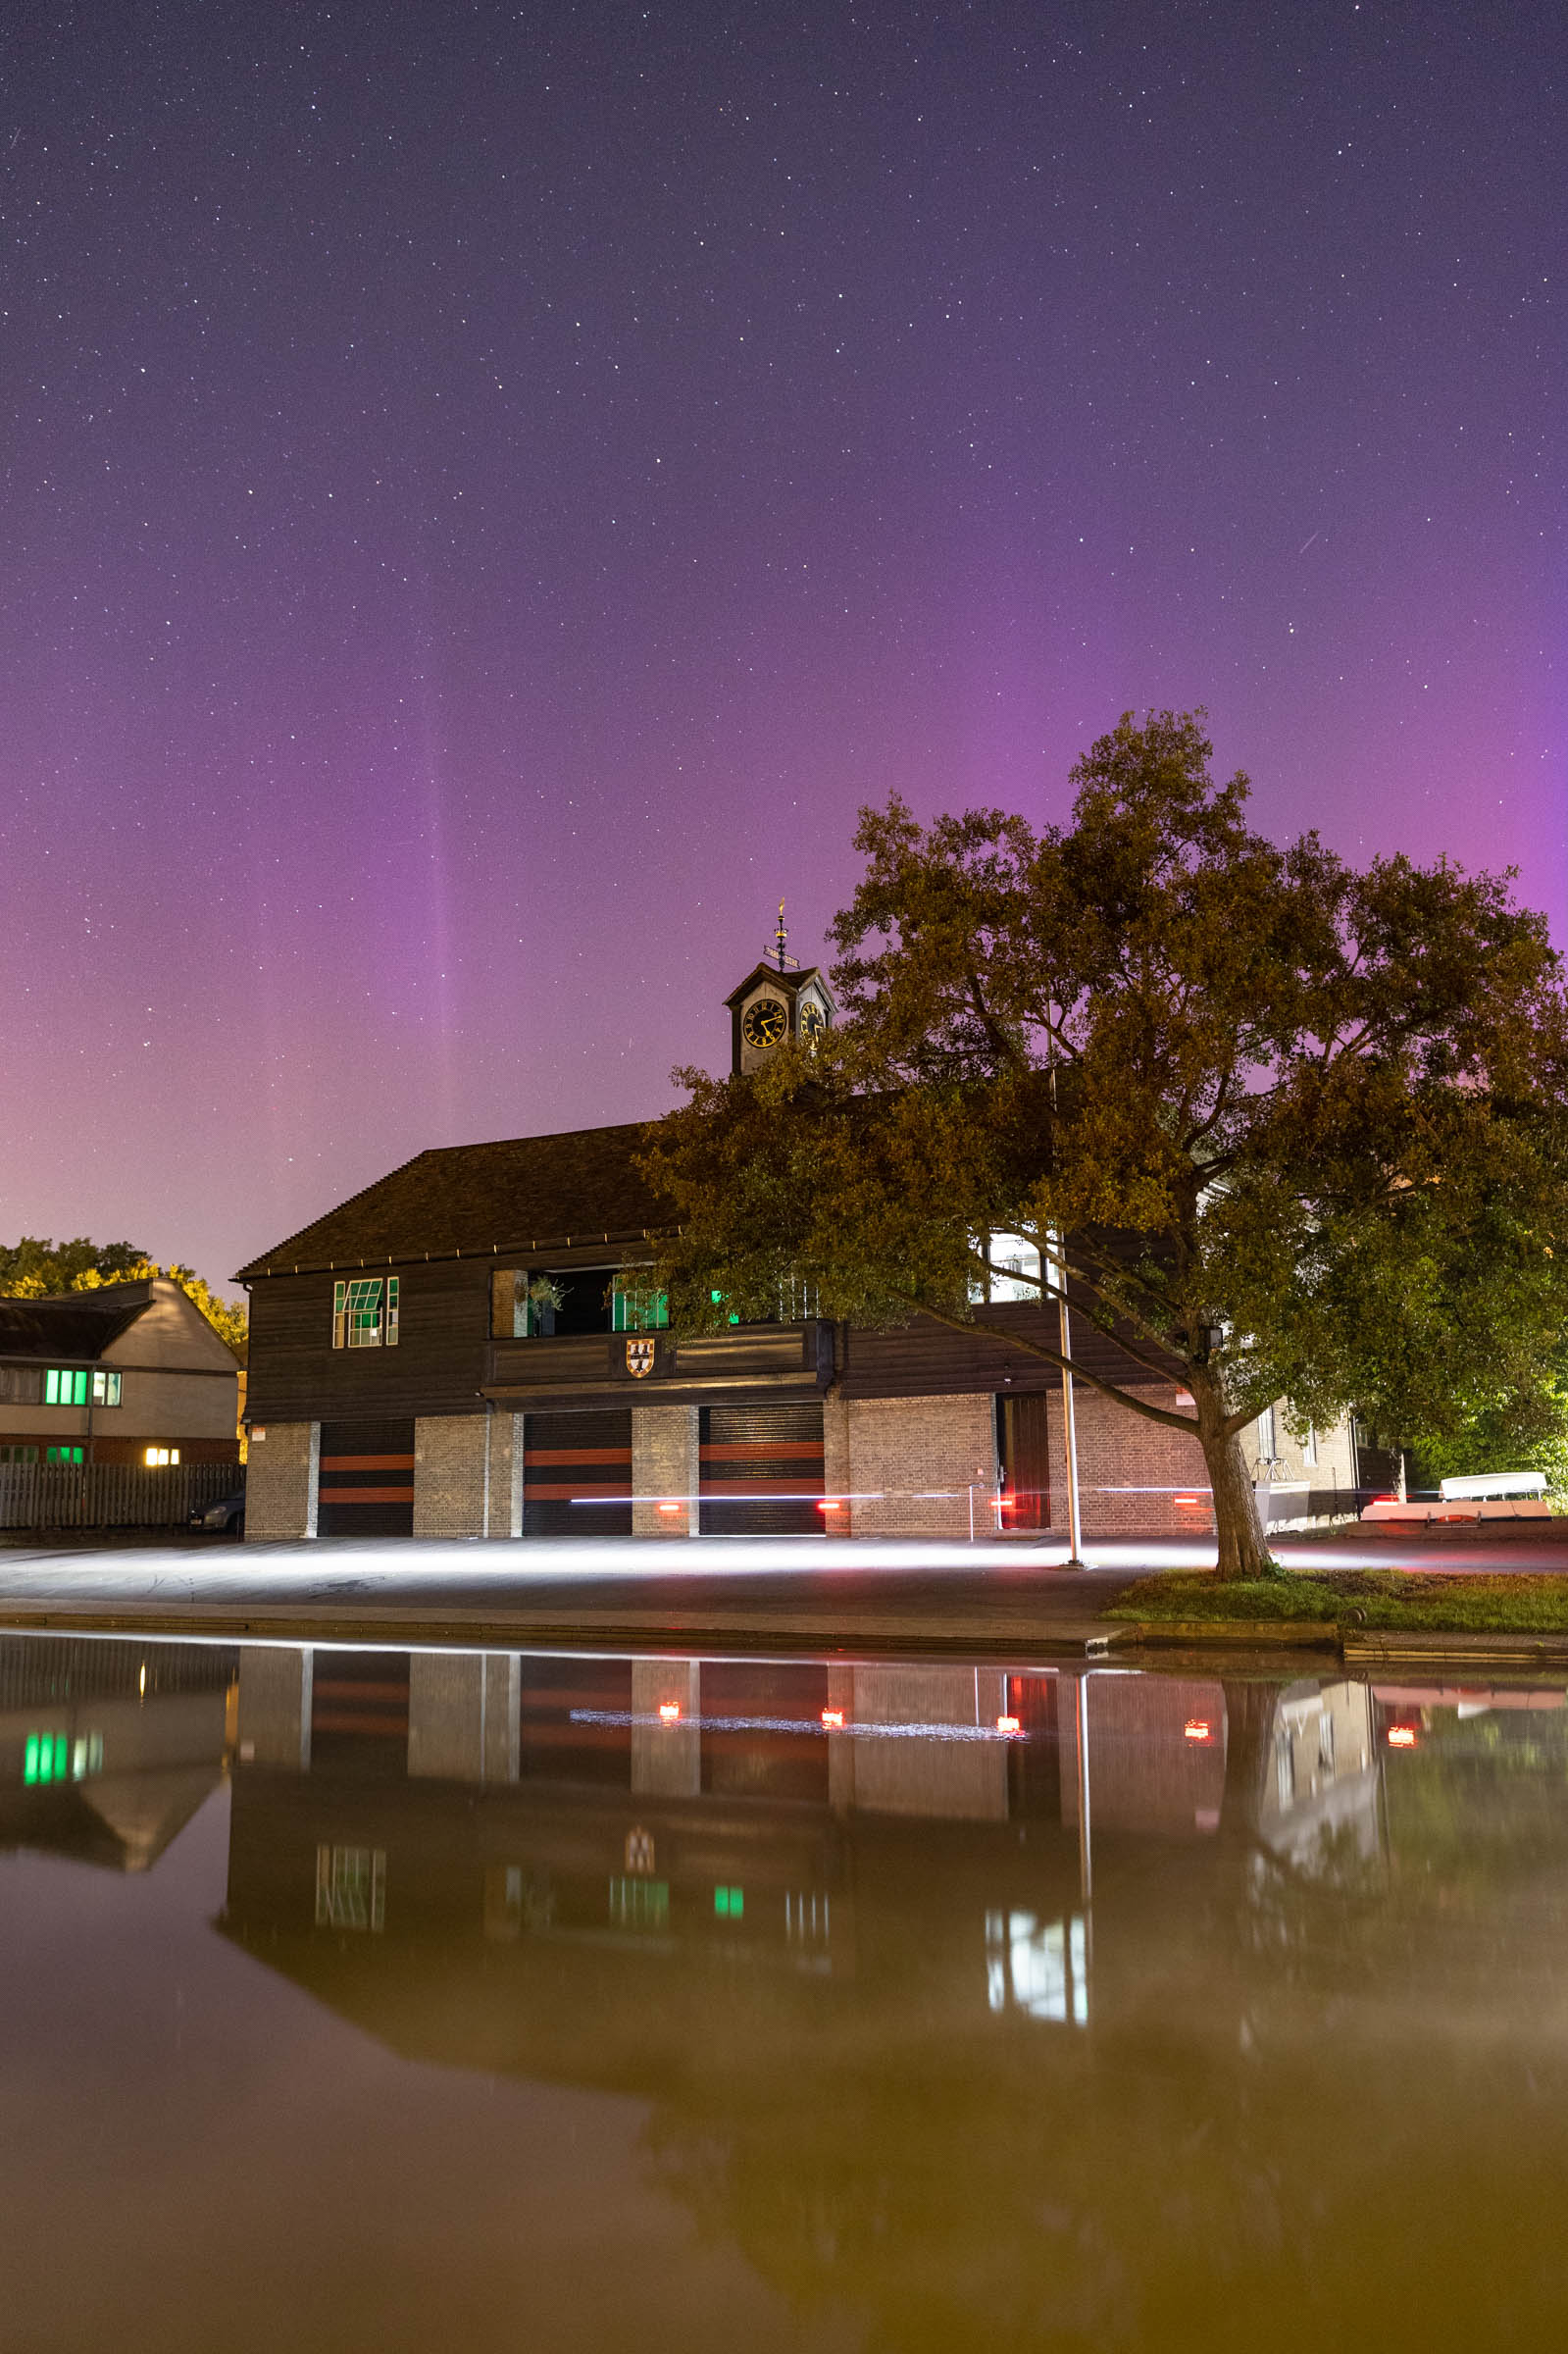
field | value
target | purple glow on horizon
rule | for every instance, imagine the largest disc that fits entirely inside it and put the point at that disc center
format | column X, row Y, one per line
column 489, row 496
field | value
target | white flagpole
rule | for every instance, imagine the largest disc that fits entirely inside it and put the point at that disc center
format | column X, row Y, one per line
column 1074, row 1517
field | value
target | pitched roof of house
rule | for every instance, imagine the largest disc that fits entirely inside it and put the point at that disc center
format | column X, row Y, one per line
column 71, row 1324
column 517, row 1192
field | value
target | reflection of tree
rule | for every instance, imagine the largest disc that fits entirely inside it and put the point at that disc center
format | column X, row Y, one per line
column 1306, row 2104
column 1173, row 2188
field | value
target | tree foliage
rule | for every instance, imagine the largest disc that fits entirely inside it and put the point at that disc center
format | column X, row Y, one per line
column 1302, row 1125
column 35, row 1268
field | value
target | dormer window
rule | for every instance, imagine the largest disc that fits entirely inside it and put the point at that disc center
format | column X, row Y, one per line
column 358, row 1320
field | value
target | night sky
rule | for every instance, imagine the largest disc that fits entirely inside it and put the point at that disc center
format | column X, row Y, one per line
column 487, row 491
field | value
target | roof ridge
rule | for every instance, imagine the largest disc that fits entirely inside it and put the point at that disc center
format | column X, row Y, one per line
column 347, row 1202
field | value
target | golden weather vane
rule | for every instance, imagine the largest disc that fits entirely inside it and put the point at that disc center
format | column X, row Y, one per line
column 781, row 945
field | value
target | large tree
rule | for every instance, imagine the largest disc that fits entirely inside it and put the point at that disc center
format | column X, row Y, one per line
column 1293, row 1129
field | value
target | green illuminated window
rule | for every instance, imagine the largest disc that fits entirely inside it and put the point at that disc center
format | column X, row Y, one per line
column 357, row 1313
column 50, row 1757
column 637, row 1903
column 351, row 1888
column 635, row 1308
column 729, row 1903
column 62, row 1455
column 66, row 1385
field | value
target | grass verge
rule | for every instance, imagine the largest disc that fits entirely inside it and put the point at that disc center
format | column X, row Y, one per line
column 1503, row 1604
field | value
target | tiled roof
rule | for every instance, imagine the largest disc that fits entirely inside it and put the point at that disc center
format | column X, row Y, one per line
column 478, row 1197
column 71, row 1324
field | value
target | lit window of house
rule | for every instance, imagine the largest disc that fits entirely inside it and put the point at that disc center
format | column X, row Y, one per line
column 74, row 1385
column 157, row 1457
column 356, row 1319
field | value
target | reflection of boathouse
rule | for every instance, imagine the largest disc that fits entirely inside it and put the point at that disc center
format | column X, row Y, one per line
column 506, row 1859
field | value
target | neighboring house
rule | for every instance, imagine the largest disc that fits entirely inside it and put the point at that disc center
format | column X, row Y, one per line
column 133, row 1374
column 471, row 1346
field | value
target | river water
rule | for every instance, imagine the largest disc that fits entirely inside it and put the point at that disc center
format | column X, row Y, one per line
column 377, row 2000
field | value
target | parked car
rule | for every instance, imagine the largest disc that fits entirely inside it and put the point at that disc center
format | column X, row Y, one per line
column 226, row 1518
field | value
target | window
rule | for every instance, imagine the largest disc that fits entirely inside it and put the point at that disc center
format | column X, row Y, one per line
column 1018, row 1258
column 1266, row 1447
column 62, row 1455
column 19, row 1455
column 1038, row 1967
column 637, row 1904
column 357, row 1313
column 74, row 1385
column 57, row 1758
column 1309, row 1444
column 634, row 1307
column 156, row 1457
column 351, row 1888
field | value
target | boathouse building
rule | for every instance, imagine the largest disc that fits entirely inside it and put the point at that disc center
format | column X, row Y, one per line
column 469, row 1348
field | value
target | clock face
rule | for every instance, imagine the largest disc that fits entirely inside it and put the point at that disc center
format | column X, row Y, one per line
column 765, row 1023
column 813, row 1021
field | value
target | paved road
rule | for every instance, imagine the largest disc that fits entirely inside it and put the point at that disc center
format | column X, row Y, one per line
column 786, row 1590
column 795, row 1591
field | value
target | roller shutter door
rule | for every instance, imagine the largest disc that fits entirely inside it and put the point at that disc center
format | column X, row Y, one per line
column 762, row 1470
column 576, row 1475
column 359, row 1712
column 367, row 1480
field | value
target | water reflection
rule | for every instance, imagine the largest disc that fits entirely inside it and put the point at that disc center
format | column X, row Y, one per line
column 107, row 1748
column 1062, row 2006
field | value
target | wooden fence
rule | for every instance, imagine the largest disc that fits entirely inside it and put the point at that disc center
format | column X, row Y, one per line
column 111, row 1495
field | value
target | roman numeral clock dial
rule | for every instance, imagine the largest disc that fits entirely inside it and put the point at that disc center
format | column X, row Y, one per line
column 765, row 1023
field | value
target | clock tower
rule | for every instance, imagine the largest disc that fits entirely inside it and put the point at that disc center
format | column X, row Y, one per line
column 778, row 999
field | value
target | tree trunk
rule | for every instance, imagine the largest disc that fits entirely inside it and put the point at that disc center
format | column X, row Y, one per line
column 1250, row 1711
column 1242, row 1550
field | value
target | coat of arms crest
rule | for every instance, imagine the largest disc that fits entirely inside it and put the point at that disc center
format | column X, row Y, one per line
column 640, row 1357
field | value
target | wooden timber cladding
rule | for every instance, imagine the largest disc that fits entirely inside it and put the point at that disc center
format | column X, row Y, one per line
column 762, row 1470
column 296, row 1375
column 928, row 1359
column 576, row 1474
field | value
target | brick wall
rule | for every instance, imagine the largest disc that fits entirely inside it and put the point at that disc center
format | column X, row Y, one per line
column 275, row 1689
column 463, row 1715
column 280, row 1482
column 667, row 1759
column 449, row 1475
column 506, row 1475
column 907, row 1464
column 1130, row 1470
column 665, row 1469
column 449, row 1470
